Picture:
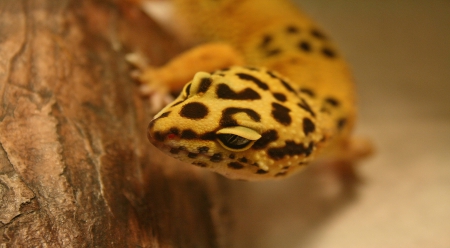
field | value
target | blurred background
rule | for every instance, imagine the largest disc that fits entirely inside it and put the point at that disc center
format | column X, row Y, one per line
column 400, row 55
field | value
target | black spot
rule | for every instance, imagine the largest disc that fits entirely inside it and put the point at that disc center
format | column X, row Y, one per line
column 204, row 85
column 280, row 174
column 177, row 103
column 191, row 134
column 216, row 157
column 302, row 163
column 174, row 130
column 332, row 101
column 177, row 150
column 225, row 92
column 252, row 68
column 285, row 84
column 280, row 97
column 225, row 69
column 202, row 149
column 341, row 123
column 227, row 116
column 266, row 138
column 308, row 126
column 290, row 149
column 188, row 134
column 192, row 155
column 272, row 75
column 174, row 150
column 188, row 90
column 158, row 136
column 266, row 40
column 243, row 160
column 194, row 110
column 208, row 136
column 200, row 164
column 291, row 29
column 288, row 86
column 318, row 34
column 248, row 77
column 232, row 156
column 328, row 52
column 235, row 165
column 164, row 115
column 304, row 46
column 308, row 92
column 281, row 114
column 273, row 52
column 261, row 171
column 304, row 105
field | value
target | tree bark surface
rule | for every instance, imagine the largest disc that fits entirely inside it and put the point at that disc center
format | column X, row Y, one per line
column 76, row 169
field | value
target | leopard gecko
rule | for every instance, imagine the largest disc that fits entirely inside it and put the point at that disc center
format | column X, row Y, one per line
column 265, row 91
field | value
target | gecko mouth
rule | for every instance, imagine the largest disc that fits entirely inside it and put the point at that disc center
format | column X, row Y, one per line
column 183, row 153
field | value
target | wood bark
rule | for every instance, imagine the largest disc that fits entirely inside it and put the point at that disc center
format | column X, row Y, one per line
column 76, row 169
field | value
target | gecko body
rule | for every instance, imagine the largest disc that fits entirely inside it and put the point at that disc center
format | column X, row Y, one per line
column 285, row 95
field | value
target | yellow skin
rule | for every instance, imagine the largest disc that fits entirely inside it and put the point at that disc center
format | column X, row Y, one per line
column 285, row 95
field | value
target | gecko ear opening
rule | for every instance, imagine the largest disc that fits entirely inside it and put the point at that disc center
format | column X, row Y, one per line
column 237, row 138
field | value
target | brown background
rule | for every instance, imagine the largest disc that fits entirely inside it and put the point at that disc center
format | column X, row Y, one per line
column 76, row 169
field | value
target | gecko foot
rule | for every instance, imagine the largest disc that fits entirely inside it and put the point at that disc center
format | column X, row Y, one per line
column 152, row 86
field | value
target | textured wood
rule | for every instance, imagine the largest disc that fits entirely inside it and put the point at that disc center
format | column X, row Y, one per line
column 76, row 169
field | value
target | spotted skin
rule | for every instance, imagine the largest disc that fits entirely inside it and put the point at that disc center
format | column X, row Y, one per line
column 188, row 124
column 292, row 101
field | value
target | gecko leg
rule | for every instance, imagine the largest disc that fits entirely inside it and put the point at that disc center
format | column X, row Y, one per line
column 181, row 69
column 352, row 151
column 158, row 82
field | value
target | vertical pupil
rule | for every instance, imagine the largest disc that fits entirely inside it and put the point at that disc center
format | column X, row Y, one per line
column 236, row 140
column 232, row 139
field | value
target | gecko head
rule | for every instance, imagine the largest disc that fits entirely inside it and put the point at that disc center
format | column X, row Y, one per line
column 231, row 122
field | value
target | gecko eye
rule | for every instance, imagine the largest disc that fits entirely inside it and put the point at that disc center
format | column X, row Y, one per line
column 237, row 138
column 233, row 141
